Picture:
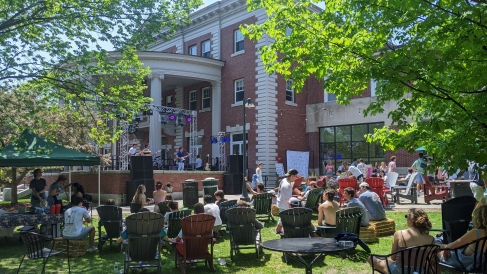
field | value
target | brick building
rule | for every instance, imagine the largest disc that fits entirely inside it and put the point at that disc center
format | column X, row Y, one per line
column 209, row 67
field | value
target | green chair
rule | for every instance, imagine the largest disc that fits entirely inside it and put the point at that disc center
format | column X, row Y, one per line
column 314, row 197
column 134, row 208
column 243, row 231
column 348, row 219
column 163, row 207
column 223, row 207
column 174, row 223
column 296, row 222
column 111, row 220
column 262, row 205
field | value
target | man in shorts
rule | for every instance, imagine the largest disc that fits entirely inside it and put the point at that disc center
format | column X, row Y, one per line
column 419, row 165
column 73, row 223
column 284, row 193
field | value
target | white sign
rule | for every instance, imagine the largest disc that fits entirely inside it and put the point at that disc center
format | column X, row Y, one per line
column 298, row 160
column 280, row 169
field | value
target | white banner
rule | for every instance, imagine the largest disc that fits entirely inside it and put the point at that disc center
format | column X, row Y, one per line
column 298, row 160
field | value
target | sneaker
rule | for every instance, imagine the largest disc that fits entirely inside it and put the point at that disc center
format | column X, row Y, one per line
column 92, row 249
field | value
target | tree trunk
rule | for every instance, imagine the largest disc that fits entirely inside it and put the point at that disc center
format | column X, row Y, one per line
column 14, row 186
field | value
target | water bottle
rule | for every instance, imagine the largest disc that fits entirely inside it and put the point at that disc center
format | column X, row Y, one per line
column 115, row 268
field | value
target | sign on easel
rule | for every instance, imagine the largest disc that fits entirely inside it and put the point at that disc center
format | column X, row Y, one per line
column 298, row 160
column 280, row 169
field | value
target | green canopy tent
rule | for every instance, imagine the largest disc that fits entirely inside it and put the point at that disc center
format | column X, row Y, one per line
column 32, row 150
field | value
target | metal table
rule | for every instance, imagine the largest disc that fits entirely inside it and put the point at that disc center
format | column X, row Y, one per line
column 294, row 247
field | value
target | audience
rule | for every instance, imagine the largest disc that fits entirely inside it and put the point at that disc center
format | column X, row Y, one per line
column 220, row 197
column 416, row 235
column 372, row 203
column 213, row 210
column 124, row 235
column 327, row 210
column 73, row 223
column 349, row 195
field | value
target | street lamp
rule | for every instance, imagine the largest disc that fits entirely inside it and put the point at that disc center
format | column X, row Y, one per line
column 245, row 104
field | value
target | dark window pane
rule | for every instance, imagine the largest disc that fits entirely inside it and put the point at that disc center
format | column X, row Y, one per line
column 358, row 132
column 206, row 103
column 342, row 133
column 360, row 150
column 327, row 134
column 376, row 151
column 343, row 150
column 239, row 96
column 239, row 46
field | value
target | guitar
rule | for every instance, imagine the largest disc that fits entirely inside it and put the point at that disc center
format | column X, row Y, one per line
column 181, row 159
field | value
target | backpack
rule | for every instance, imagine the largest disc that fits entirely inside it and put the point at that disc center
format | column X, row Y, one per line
column 347, row 236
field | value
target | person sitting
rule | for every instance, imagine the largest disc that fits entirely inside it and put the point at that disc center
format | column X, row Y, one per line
column 220, row 197
column 327, row 210
column 198, row 163
column 301, row 199
column 349, row 195
column 125, row 235
column 372, row 203
column 404, row 181
column 139, row 197
column 257, row 223
column 169, row 197
column 173, row 207
column 198, row 208
column 78, row 190
column 73, row 223
column 213, row 210
column 466, row 255
column 419, row 226
column 159, row 196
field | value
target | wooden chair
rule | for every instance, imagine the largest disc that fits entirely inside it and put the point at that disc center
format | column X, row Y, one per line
column 321, row 182
column 391, row 181
column 241, row 224
column 434, row 192
column 296, row 222
column 197, row 235
column 134, row 208
column 163, row 207
column 314, row 197
column 479, row 261
column 410, row 191
column 174, row 223
column 111, row 219
column 377, row 185
column 297, row 183
column 348, row 219
column 344, row 183
column 35, row 244
column 223, row 208
column 456, row 215
column 144, row 240
column 263, row 205
column 416, row 259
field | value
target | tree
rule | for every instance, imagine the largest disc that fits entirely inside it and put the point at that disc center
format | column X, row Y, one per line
column 428, row 56
column 59, row 47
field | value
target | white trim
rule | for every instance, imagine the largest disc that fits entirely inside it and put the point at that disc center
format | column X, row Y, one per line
column 291, row 104
column 373, row 86
column 237, row 53
column 191, row 101
column 204, row 110
column 207, row 98
column 326, row 97
column 209, row 48
column 190, row 48
column 290, row 82
column 235, row 41
column 235, row 90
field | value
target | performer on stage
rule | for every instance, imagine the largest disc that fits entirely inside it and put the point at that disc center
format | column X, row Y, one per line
column 181, row 156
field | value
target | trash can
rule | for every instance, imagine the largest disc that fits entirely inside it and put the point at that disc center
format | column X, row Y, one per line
column 210, row 185
column 190, row 192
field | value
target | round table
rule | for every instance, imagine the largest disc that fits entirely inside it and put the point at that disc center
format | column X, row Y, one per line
column 294, row 247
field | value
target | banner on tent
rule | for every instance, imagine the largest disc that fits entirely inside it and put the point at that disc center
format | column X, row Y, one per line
column 298, row 160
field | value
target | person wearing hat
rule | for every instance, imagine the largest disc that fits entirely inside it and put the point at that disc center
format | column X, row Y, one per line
column 372, row 203
column 284, row 193
column 159, row 195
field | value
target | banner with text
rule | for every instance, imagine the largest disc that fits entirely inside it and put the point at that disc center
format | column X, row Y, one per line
column 298, row 160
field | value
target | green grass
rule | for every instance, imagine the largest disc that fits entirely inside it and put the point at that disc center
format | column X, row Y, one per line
column 245, row 262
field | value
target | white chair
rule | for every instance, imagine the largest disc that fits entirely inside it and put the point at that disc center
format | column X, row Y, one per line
column 391, row 182
column 410, row 192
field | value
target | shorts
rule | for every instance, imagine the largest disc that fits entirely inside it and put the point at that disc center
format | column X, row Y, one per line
column 478, row 191
column 84, row 232
column 419, row 178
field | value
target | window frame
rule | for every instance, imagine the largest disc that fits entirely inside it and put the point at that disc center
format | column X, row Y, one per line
column 238, row 143
column 205, row 98
column 204, row 53
column 290, row 90
column 235, row 91
column 190, row 48
column 192, row 100
column 236, row 43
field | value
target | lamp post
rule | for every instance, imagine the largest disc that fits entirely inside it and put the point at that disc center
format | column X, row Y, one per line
column 245, row 195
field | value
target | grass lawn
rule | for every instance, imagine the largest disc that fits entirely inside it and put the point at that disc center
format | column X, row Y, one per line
column 12, row 251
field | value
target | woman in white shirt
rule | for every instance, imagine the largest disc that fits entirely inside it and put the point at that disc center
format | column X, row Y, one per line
column 258, row 171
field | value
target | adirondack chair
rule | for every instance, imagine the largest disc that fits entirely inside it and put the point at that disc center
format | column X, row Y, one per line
column 144, row 241
column 223, row 208
column 296, row 222
column 174, row 223
column 410, row 192
column 134, row 208
column 344, row 183
column 241, row 224
column 377, row 185
column 456, row 215
column 434, row 192
column 197, row 235
column 111, row 220
column 391, row 181
column 314, row 197
column 163, row 207
column 348, row 219
column 416, row 259
column 262, row 205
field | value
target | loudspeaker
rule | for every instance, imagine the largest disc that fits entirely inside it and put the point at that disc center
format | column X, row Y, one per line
column 141, row 168
column 235, row 164
column 131, row 188
column 233, row 183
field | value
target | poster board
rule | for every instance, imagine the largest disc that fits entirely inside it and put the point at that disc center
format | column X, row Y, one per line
column 298, row 160
column 280, row 169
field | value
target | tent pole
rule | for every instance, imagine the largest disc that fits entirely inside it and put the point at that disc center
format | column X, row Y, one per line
column 69, row 173
column 99, row 195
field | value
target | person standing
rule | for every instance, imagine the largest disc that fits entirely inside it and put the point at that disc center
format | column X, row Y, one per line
column 133, row 150
column 354, row 171
column 55, row 189
column 392, row 165
column 258, row 171
column 329, row 169
column 284, row 193
column 198, row 163
column 354, row 163
column 181, row 157
column 38, row 185
column 477, row 185
column 419, row 165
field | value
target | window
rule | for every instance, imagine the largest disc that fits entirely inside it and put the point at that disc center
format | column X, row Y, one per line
column 237, row 141
column 238, row 41
column 205, row 103
column 192, row 100
column 330, row 97
column 239, row 90
column 373, row 86
column 205, row 48
column 192, row 50
column 168, row 100
column 289, row 91
column 344, row 143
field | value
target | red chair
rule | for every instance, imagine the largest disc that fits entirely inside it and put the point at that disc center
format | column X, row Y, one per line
column 344, row 183
column 377, row 186
column 297, row 184
column 321, row 182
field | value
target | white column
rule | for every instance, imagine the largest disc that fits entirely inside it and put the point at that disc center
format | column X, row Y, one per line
column 216, row 114
column 155, row 125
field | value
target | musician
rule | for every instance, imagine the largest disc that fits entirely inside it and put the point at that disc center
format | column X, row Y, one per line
column 180, row 156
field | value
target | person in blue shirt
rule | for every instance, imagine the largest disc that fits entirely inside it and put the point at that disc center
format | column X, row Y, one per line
column 349, row 195
column 372, row 203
